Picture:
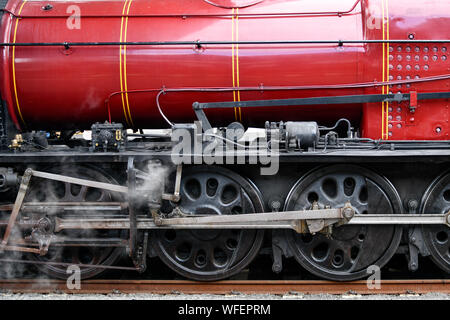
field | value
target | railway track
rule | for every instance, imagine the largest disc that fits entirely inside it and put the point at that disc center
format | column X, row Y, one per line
column 225, row 287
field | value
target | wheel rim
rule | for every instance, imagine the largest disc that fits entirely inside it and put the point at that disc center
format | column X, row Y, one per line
column 437, row 200
column 208, row 255
column 49, row 190
column 351, row 249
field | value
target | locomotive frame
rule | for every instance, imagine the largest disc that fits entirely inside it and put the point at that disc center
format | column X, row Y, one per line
column 308, row 221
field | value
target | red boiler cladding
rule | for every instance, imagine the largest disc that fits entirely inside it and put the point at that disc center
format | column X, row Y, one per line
column 123, row 57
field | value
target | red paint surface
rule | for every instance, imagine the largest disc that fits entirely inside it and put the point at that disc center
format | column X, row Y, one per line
column 59, row 89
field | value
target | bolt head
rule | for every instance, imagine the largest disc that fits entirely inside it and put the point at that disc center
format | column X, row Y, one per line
column 276, row 268
column 348, row 213
column 276, row 205
column 413, row 204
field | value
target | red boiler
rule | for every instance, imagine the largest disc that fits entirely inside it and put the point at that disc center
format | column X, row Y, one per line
column 75, row 63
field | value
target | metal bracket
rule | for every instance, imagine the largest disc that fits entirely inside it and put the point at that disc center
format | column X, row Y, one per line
column 42, row 233
column 138, row 239
column 131, row 179
column 277, row 244
column 201, row 116
column 413, row 101
column 175, row 197
column 317, row 225
column 277, row 254
column 416, row 245
column 140, row 257
column 413, row 263
column 17, row 205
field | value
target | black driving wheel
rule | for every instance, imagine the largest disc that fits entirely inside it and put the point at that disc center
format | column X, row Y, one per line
column 346, row 254
column 437, row 200
column 43, row 190
column 213, row 254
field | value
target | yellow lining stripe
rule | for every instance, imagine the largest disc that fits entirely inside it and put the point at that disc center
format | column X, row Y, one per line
column 384, row 72
column 235, row 64
column 237, row 61
column 387, row 67
column 385, row 89
column 232, row 61
column 125, row 65
column 13, row 64
column 120, row 61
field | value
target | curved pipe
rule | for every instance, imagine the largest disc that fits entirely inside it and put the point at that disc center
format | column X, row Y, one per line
column 262, row 88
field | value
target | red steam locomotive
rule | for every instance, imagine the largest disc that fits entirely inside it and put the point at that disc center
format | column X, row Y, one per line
column 350, row 97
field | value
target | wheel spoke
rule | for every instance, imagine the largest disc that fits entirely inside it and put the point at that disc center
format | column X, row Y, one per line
column 75, row 253
column 83, row 192
column 97, row 255
column 67, row 192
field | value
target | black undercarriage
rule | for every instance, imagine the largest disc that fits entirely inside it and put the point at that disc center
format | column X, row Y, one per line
column 393, row 177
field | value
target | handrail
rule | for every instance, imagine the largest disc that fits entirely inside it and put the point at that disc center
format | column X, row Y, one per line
column 245, row 5
column 199, row 43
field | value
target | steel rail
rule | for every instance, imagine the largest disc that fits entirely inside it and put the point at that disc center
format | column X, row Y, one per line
column 226, row 287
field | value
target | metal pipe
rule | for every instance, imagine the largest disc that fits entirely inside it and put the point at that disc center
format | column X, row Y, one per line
column 197, row 43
